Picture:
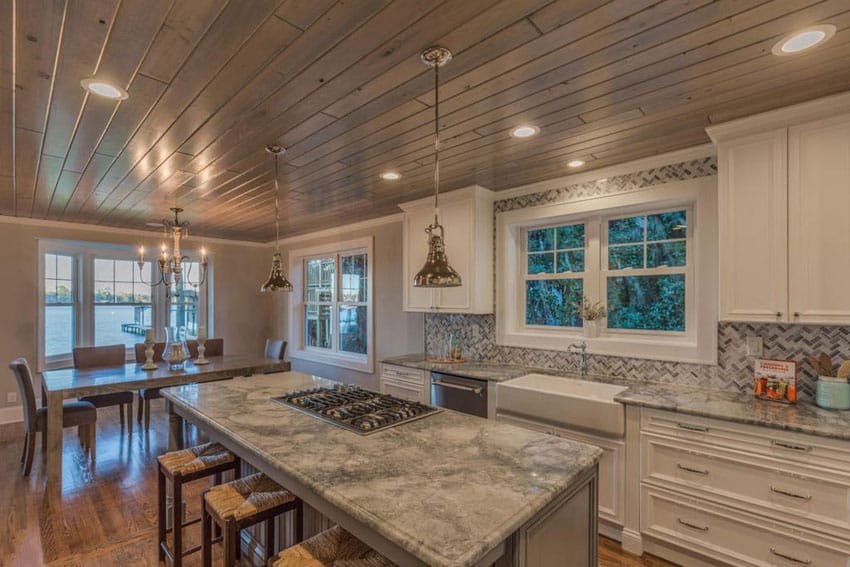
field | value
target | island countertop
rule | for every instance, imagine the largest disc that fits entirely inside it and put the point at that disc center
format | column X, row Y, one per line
column 447, row 489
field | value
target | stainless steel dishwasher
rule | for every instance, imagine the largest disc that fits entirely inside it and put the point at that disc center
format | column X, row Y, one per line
column 467, row 395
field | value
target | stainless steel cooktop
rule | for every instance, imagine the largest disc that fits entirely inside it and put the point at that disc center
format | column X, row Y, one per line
column 356, row 409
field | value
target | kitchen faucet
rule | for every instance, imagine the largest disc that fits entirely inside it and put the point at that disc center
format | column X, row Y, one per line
column 581, row 350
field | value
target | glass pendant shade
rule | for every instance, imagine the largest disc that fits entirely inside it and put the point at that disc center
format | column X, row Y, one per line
column 277, row 281
column 436, row 272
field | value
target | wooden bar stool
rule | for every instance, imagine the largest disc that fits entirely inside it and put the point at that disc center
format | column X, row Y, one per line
column 186, row 465
column 240, row 504
column 333, row 547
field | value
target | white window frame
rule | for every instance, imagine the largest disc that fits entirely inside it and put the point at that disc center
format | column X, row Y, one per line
column 84, row 254
column 698, row 344
column 333, row 356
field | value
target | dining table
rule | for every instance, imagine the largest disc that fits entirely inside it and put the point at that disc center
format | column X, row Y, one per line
column 66, row 383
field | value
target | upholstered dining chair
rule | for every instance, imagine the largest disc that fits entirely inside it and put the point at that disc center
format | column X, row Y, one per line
column 213, row 347
column 147, row 394
column 98, row 357
column 275, row 348
column 74, row 414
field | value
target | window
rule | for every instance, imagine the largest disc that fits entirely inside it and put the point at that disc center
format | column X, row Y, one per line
column 636, row 254
column 333, row 308
column 95, row 295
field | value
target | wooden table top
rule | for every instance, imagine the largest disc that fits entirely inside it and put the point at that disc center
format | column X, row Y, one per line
column 73, row 382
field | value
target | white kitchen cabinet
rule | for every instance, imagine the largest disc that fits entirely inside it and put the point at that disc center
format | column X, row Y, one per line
column 467, row 217
column 753, row 223
column 818, row 228
column 784, row 197
column 405, row 383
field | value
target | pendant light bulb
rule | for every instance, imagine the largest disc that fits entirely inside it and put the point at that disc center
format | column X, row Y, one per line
column 436, row 272
column 277, row 281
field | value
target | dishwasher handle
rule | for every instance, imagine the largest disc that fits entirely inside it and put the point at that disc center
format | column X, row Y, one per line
column 440, row 382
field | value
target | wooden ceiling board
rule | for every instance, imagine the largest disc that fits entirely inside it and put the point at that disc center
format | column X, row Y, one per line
column 211, row 82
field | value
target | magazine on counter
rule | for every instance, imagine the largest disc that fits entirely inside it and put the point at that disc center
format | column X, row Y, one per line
column 776, row 380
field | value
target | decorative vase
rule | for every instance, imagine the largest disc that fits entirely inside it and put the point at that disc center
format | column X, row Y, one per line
column 591, row 328
column 202, row 346
column 176, row 352
column 149, row 344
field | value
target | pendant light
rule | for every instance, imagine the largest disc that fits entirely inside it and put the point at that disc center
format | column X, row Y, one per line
column 436, row 272
column 277, row 281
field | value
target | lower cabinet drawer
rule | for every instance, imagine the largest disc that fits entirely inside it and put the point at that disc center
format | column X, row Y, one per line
column 403, row 390
column 766, row 486
column 735, row 537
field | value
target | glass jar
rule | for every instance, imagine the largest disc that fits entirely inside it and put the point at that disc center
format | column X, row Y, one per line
column 176, row 352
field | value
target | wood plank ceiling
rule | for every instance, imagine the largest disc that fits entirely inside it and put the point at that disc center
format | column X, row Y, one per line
column 340, row 85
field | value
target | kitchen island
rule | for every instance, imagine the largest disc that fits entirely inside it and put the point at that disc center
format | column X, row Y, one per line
column 445, row 490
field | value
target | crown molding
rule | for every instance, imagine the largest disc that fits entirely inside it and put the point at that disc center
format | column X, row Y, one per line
column 678, row 156
column 452, row 196
column 78, row 226
column 816, row 109
column 333, row 231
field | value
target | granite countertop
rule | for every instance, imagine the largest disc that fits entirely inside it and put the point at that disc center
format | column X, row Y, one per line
column 447, row 488
column 803, row 417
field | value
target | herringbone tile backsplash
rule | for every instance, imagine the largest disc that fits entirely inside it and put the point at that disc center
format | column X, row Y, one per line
column 734, row 369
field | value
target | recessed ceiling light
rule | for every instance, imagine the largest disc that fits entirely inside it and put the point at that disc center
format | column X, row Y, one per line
column 391, row 175
column 804, row 39
column 525, row 131
column 575, row 163
column 104, row 89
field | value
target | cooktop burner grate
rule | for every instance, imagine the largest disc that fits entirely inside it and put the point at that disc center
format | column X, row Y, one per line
column 356, row 409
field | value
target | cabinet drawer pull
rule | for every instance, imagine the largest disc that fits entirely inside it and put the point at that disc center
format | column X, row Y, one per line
column 790, row 558
column 690, row 427
column 691, row 470
column 692, row 526
column 789, row 494
column 793, row 447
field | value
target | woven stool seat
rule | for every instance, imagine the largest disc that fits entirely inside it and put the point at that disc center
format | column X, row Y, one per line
column 331, row 548
column 246, row 497
column 195, row 459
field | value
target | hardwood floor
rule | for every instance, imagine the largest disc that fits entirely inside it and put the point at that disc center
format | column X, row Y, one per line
column 107, row 513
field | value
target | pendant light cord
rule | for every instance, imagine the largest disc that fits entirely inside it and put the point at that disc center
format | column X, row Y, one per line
column 276, row 208
column 436, row 142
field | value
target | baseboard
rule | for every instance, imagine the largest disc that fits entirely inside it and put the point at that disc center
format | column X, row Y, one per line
column 11, row 414
column 632, row 542
column 610, row 530
column 676, row 555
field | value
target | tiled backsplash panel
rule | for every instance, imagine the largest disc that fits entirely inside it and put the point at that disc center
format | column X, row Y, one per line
column 734, row 370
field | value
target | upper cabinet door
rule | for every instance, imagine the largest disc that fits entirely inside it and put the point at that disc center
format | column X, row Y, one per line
column 458, row 220
column 819, row 221
column 753, row 228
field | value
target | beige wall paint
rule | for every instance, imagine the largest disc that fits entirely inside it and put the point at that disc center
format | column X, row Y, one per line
column 396, row 332
column 242, row 315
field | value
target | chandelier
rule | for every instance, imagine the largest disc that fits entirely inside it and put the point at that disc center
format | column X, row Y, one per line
column 277, row 281
column 171, row 262
column 436, row 272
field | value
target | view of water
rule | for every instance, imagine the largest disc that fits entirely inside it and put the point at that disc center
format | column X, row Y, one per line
column 59, row 324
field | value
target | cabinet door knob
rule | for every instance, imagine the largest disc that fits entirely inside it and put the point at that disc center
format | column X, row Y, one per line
column 796, row 314
column 779, row 313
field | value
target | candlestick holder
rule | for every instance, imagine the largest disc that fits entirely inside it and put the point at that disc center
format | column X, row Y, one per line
column 149, row 363
column 201, row 349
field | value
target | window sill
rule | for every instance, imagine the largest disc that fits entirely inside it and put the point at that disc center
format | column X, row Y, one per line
column 654, row 348
column 352, row 362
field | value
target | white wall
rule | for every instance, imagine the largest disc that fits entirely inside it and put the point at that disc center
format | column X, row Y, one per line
column 396, row 332
column 242, row 315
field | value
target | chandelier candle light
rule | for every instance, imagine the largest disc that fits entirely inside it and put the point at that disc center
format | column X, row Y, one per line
column 436, row 272
column 171, row 263
column 277, row 281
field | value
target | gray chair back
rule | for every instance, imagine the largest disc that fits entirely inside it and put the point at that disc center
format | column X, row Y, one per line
column 213, row 347
column 275, row 348
column 21, row 369
column 97, row 357
column 158, row 349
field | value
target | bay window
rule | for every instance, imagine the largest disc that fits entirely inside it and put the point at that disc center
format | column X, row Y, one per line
column 647, row 257
column 95, row 294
